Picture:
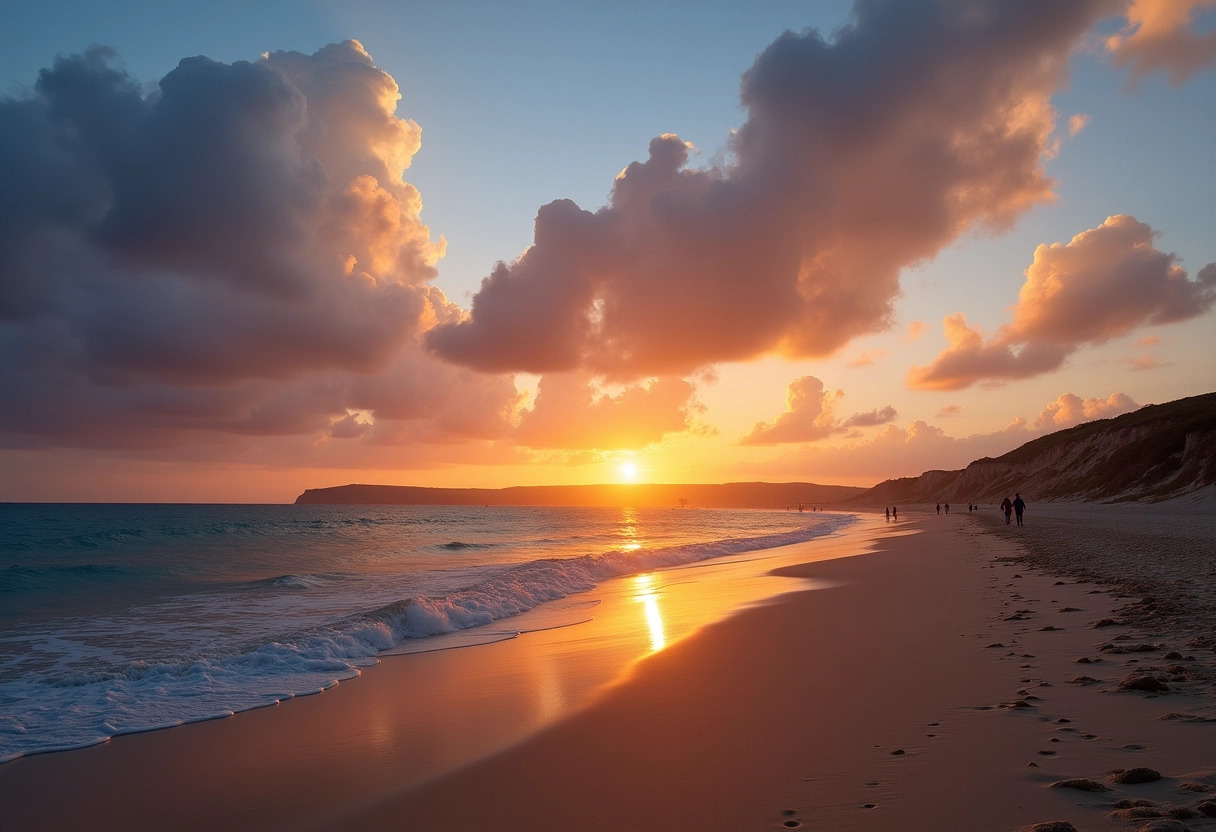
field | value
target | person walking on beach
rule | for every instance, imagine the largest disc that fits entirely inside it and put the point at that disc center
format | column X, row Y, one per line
column 939, row 508
column 1019, row 505
column 895, row 512
column 888, row 513
column 1007, row 507
column 947, row 508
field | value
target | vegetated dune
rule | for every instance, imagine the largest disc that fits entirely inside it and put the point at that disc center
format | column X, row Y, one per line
column 1159, row 452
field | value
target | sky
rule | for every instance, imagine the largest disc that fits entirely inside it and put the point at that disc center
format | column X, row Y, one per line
column 248, row 249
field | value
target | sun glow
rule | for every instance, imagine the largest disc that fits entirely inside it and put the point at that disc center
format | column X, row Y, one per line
column 628, row 471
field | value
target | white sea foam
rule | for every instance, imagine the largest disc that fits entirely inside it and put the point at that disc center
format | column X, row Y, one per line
column 75, row 681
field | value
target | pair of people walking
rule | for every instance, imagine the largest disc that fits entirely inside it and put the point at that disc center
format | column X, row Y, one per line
column 1016, row 505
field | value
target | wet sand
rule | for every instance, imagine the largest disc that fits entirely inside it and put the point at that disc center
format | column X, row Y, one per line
column 933, row 683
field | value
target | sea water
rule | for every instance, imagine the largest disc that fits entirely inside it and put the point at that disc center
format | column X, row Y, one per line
column 123, row 618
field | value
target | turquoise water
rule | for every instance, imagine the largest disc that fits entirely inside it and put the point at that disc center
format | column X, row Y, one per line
column 124, row 618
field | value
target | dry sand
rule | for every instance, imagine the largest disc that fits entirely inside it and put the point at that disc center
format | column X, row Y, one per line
column 932, row 684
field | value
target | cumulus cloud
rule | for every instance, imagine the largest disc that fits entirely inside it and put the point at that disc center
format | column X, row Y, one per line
column 1070, row 409
column 859, row 156
column 810, row 415
column 896, row 452
column 918, row 447
column 234, row 252
column 1102, row 284
column 1159, row 35
column 570, row 411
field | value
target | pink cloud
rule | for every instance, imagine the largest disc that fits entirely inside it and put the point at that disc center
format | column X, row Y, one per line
column 1159, row 35
column 894, row 452
column 867, row 358
column 1076, row 123
column 950, row 410
column 910, row 451
column 1103, row 283
column 859, row 156
column 1141, row 362
column 810, row 415
column 1070, row 409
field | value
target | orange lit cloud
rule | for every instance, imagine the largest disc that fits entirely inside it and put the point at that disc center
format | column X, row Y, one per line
column 950, row 410
column 811, row 415
column 859, row 156
column 569, row 413
column 234, row 253
column 916, row 329
column 1141, row 362
column 1070, row 409
column 1102, row 284
column 895, row 452
column 1158, row 35
column 867, row 358
column 919, row 447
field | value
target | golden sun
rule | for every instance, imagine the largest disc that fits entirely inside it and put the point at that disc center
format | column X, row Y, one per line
column 629, row 471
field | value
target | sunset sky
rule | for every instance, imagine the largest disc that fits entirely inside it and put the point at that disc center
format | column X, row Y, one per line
column 251, row 248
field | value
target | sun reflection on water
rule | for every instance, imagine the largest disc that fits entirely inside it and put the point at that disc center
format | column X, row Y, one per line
column 628, row 532
column 648, row 595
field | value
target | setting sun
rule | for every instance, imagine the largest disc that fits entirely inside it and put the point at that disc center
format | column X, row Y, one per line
column 629, row 471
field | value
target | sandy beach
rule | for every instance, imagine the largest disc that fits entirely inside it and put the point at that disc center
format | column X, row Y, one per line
column 952, row 676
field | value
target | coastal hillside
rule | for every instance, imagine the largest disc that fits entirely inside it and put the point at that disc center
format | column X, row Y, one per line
column 1157, row 452
column 732, row 495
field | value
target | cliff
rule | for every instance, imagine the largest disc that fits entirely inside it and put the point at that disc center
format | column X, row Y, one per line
column 1156, row 453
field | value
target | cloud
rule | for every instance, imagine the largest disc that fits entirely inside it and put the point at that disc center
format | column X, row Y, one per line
column 859, row 156
column 895, row 452
column 810, row 415
column 916, row 329
column 1076, row 123
column 910, row 451
column 569, row 412
column 1141, row 362
column 867, row 358
column 950, row 410
column 1069, row 410
column 1103, row 283
column 878, row 416
column 1158, row 35
column 234, row 252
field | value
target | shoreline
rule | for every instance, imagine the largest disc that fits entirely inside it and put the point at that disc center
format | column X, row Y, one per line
column 794, row 704
column 408, row 718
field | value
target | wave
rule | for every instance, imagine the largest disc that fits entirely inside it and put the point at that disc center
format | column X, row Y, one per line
column 73, row 709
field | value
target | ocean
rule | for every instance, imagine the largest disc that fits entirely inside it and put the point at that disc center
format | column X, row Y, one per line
column 116, row 619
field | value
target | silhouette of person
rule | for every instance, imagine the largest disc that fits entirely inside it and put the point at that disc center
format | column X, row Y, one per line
column 939, row 508
column 895, row 512
column 947, row 508
column 888, row 513
column 1019, row 505
column 1007, row 507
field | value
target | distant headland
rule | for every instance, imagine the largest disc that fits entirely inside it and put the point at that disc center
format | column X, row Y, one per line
column 1155, row 453
column 727, row 495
